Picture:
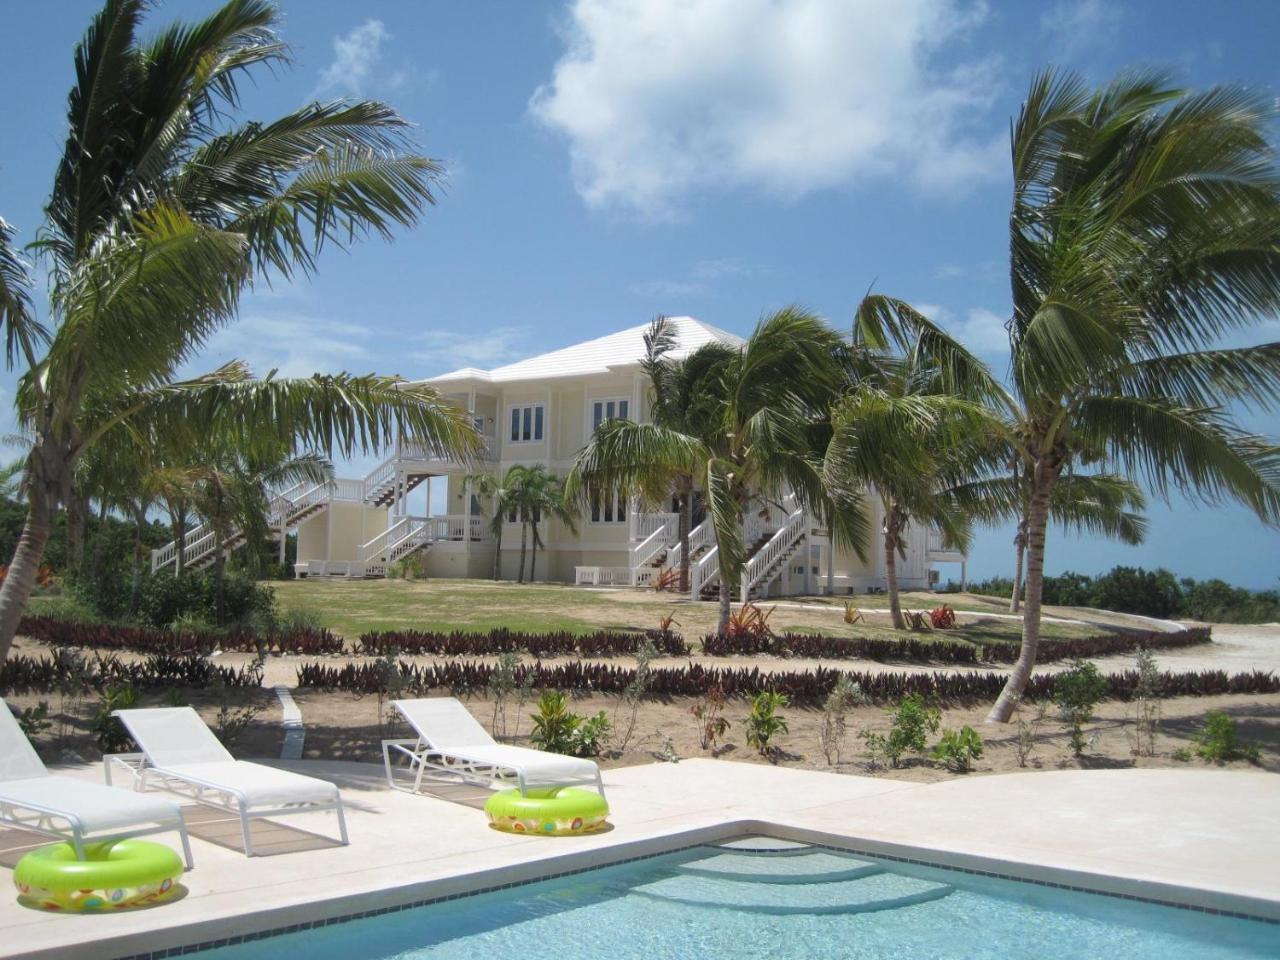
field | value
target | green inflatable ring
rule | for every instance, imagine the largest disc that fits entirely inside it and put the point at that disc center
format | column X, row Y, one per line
column 554, row 811
column 113, row 875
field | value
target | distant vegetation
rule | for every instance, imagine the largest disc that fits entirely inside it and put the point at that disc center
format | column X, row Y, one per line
column 1151, row 593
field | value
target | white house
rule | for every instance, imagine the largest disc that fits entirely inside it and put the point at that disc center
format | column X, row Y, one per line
column 541, row 411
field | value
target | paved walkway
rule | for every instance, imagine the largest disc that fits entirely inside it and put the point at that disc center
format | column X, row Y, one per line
column 1213, row 831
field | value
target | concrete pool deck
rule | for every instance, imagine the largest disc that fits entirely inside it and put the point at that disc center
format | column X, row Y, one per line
column 1198, row 836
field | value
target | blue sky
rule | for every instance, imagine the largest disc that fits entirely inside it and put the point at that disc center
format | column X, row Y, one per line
column 612, row 160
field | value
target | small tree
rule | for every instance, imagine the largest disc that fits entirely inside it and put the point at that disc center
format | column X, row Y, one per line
column 636, row 690
column 709, row 712
column 844, row 696
column 1146, row 704
column 1076, row 692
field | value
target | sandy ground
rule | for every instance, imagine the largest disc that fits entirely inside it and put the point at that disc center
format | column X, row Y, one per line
column 345, row 727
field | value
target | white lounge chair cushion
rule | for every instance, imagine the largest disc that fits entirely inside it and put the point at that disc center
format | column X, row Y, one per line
column 262, row 786
column 96, row 807
column 539, row 768
column 173, row 736
column 443, row 722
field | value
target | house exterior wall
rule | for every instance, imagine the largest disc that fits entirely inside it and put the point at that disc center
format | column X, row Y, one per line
column 338, row 532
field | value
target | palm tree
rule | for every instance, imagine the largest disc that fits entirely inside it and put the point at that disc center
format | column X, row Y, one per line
column 1145, row 225
column 161, row 213
column 1101, row 505
column 766, row 437
column 232, row 491
column 498, row 492
column 548, row 500
column 683, row 396
column 912, row 427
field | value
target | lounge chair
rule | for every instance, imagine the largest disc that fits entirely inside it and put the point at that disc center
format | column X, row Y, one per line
column 184, row 756
column 450, row 740
column 77, row 811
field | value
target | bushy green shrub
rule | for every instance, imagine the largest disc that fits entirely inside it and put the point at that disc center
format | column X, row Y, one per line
column 958, row 748
column 1076, row 692
column 168, row 599
column 558, row 730
column 913, row 721
column 764, row 722
column 1218, row 740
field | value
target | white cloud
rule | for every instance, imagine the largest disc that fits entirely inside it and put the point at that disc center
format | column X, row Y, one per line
column 979, row 329
column 449, row 349
column 295, row 344
column 356, row 57
column 659, row 98
column 701, row 281
column 1081, row 26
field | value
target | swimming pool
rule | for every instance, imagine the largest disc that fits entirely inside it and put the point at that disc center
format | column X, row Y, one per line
column 766, row 900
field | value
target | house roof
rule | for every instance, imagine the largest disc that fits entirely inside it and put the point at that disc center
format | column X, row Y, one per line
column 622, row 349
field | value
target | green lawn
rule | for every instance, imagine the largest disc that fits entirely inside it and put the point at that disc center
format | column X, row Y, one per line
column 354, row 607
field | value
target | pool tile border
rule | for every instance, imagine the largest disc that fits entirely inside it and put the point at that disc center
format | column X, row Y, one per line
column 165, row 953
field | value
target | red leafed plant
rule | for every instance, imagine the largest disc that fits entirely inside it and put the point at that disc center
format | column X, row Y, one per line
column 943, row 618
column 668, row 580
column 750, row 620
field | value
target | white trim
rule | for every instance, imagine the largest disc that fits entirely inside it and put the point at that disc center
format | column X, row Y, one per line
column 588, row 422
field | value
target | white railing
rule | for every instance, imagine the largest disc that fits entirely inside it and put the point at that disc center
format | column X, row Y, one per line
column 704, row 571
column 602, row 576
column 646, row 524
column 651, row 546
column 768, row 557
column 422, row 452
column 699, row 537
column 348, row 489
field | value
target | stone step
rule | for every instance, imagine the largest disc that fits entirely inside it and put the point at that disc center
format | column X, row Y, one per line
column 813, row 866
column 881, row 891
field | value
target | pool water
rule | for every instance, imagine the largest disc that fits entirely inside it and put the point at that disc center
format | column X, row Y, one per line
column 775, row 902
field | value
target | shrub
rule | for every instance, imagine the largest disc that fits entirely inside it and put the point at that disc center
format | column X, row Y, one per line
column 913, row 721
column 1218, row 740
column 558, row 730
column 709, row 712
column 942, row 618
column 1076, row 692
column 803, row 686
column 1146, row 704
column 34, row 720
column 958, row 748
column 844, row 696
column 749, row 620
column 108, row 732
column 460, row 644
column 764, row 722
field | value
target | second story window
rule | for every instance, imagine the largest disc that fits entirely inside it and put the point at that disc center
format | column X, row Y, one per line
column 602, row 410
column 526, row 423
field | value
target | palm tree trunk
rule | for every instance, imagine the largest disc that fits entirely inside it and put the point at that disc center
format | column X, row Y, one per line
column 524, row 539
column 77, row 519
column 497, row 554
column 892, row 532
column 219, row 575
column 533, row 558
column 135, row 586
column 1037, row 524
column 1020, row 550
column 684, row 528
column 180, row 539
column 726, row 606
column 21, row 579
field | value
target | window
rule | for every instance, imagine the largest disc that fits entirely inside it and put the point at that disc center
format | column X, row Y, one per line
column 526, row 423
column 615, row 409
column 611, row 510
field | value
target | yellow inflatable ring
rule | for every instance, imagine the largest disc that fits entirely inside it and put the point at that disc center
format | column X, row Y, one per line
column 114, row 875
column 555, row 811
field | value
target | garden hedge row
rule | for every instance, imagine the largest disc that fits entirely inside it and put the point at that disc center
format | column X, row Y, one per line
column 694, row 680
column 604, row 643
column 107, row 636
column 923, row 650
column 23, row 674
